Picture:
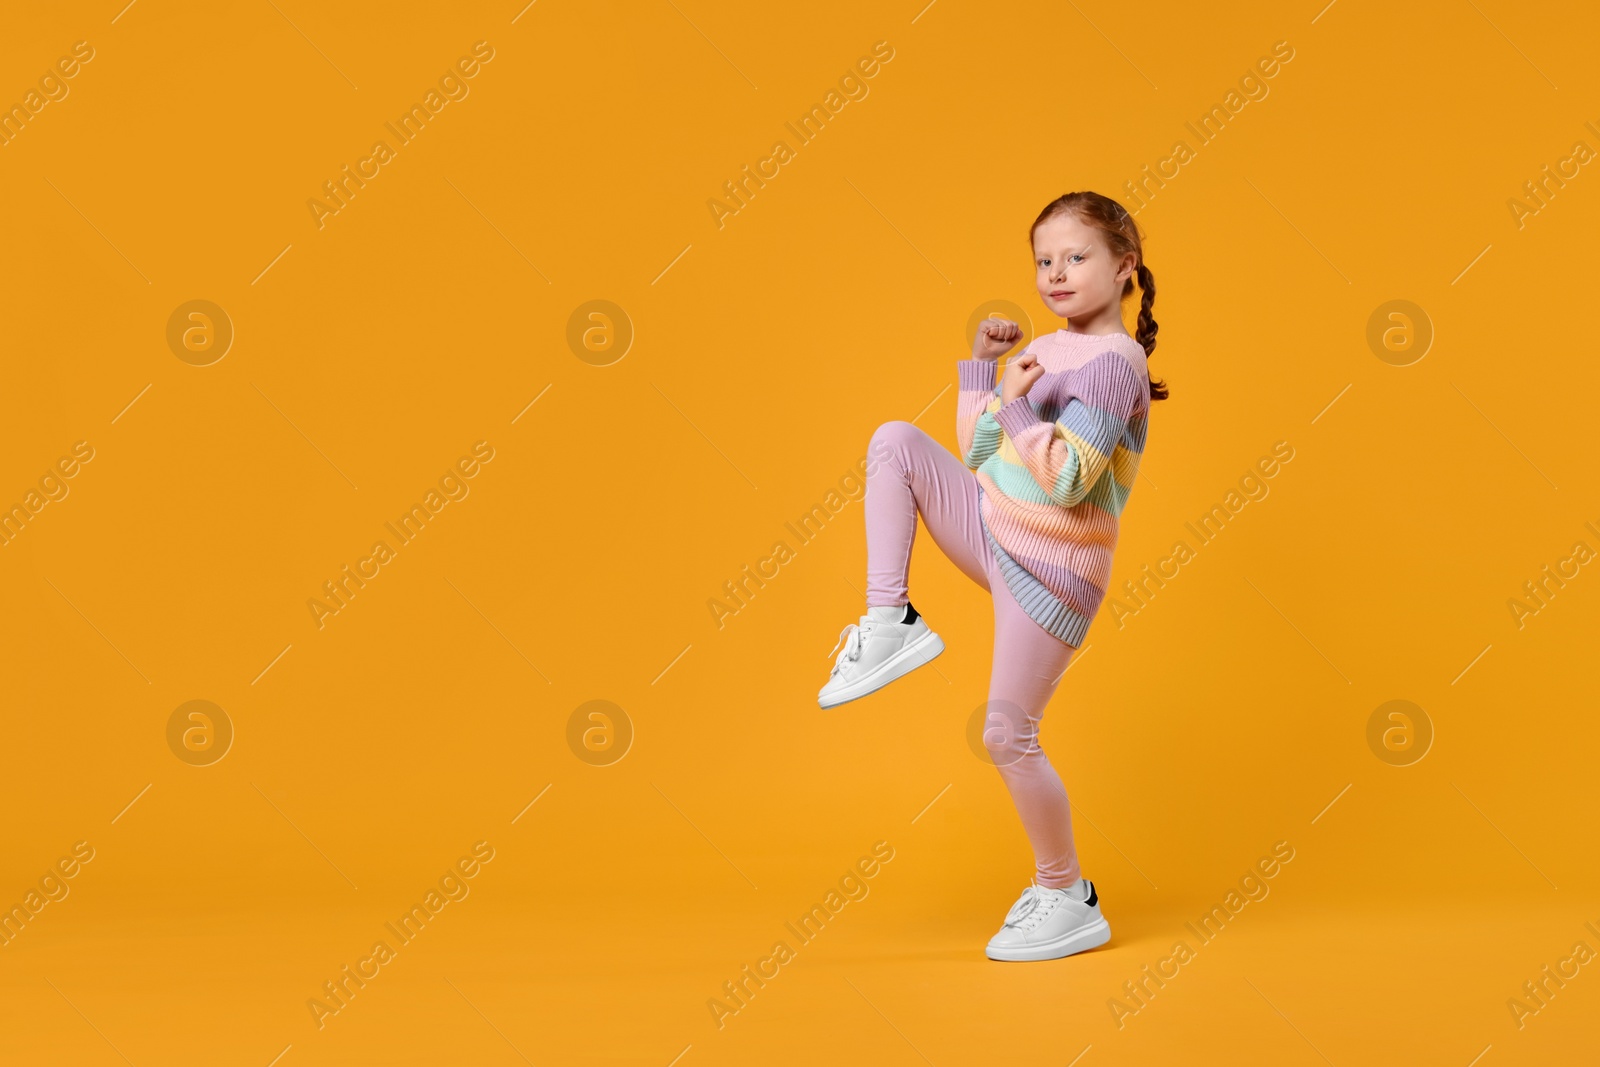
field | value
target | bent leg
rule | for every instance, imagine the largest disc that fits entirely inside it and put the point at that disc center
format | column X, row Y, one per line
column 909, row 473
column 1028, row 663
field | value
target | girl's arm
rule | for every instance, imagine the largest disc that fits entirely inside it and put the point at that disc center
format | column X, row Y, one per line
column 977, row 432
column 1067, row 457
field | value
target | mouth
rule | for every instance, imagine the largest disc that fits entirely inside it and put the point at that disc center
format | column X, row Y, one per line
column 1060, row 294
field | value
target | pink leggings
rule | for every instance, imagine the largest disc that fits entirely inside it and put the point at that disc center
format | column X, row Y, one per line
column 920, row 475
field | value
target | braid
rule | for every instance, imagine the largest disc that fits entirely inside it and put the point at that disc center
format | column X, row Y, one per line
column 1147, row 326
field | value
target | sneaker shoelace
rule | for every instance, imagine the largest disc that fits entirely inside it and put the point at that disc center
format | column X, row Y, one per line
column 850, row 638
column 1034, row 907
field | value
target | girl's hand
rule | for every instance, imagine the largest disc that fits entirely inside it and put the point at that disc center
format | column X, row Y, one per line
column 995, row 338
column 1021, row 373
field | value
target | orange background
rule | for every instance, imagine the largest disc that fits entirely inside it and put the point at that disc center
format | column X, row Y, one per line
column 428, row 314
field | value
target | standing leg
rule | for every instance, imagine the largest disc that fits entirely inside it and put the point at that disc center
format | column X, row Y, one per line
column 910, row 473
column 1028, row 662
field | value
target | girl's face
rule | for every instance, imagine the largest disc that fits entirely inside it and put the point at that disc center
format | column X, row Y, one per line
column 1077, row 277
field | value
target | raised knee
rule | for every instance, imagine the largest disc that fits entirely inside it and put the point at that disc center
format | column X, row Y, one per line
column 895, row 433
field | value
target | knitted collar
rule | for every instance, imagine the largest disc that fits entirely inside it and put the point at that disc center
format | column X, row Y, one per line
column 1074, row 337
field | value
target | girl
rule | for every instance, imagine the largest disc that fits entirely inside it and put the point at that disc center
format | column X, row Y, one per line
column 1029, row 512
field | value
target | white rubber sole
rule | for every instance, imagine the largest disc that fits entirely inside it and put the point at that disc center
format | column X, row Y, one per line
column 923, row 650
column 1083, row 938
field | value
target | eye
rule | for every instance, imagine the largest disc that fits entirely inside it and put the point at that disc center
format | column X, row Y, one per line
column 1077, row 255
column 1044, row 262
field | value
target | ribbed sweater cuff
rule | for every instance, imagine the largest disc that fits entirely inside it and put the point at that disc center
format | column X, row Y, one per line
column 1017, row 416
column 973, row 375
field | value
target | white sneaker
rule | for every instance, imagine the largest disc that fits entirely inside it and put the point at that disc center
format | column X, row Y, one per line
column 876, row 653
column 1046, row 924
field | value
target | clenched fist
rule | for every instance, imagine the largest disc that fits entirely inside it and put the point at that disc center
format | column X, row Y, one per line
column 995, row 338
column 1021, row 373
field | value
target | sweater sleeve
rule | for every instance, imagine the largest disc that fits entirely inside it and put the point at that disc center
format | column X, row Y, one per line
column 977, row 432
column 1067, row 457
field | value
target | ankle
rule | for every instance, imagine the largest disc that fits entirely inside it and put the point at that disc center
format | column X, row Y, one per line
column 901, row 613
column 1077, row 889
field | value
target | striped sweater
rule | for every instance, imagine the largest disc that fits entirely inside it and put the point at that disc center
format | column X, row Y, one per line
column 1055, row 468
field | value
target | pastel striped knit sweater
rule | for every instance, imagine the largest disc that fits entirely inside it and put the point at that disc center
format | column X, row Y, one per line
column 1055, row 468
